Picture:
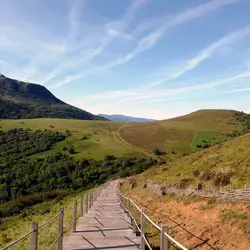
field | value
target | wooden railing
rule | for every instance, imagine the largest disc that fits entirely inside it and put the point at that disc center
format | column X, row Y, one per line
column 35, row 226
column 130, row 207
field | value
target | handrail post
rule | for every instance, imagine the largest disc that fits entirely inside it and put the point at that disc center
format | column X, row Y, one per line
column 90, row 199
column 74, row 217
column 120, row 200
column 134, row 221
column 60, row 229
column 129, row 205
column 34, row 236
column 164, row 239
column 124, row 204
column 142, row 229
column 81, row 206
column 87, row 203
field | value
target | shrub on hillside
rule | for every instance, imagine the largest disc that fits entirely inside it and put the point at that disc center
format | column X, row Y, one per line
column 222, row 179
column 14, row 207
column 71, row 150
column 158, row 151
column 207, row 175
column 196, row 173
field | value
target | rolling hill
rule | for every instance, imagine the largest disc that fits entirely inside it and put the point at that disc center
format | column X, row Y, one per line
column 185, row 134
column 198, row 221
column 125, row 118
column 26, row 100
column 176, row 136
column 215, row 166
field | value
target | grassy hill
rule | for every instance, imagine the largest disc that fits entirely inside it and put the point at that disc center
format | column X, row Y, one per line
column 185, row 134
column 178, row 136
column 222, row 164
column 199, row 223
column 91, row 139
column 26, row 100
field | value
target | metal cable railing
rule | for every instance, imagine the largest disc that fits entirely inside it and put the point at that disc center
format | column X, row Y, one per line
column 77, row 212
column 165, row 238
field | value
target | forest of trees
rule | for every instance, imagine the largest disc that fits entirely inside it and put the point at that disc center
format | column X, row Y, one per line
column 21, row 175
column 11, row 110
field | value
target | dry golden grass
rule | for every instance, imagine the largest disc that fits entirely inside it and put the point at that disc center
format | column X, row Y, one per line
column 177, row 134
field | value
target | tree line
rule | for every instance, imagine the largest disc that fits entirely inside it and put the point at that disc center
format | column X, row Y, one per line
column 22, row 175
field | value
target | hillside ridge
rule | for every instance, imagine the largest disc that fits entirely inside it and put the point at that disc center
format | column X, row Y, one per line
column 21, row 100
column 125, row 118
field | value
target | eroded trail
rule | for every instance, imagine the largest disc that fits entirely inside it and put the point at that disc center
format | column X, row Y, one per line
column 141, row 150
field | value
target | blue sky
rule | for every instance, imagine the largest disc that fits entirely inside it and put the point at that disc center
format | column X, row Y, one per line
column 146, row 58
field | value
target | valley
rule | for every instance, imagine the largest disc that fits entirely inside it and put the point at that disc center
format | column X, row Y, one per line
column 47, row 161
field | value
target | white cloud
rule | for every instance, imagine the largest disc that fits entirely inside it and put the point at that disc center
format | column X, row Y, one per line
column 116, row 29
column 236, row 90
column 151, row 39
column 211, row 49
column 149, row 95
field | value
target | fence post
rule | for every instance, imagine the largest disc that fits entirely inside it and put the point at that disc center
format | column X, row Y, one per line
column 129, row 205
column 120, row 199
column 164, row 239
column 60, row 229
column 134, row 215
column 142, row 229
column 124, row 204
column 87, row 203
column 34, row 236
column 90, row 199
column 74, row 217
column 81, row 206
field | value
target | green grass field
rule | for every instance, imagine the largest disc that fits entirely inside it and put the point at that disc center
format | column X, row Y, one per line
column 101, row 136
column 177, row 137
column 182, row 134
column 206, row 137
column 219, row 165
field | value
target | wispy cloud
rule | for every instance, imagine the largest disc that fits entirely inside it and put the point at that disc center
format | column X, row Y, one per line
column 144, row 95
column 116, row 29
column 236, row 90
column 106, row 34
column 151, row 39
column 211, row 49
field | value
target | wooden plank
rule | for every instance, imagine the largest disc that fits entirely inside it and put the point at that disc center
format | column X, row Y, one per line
column 105, row 226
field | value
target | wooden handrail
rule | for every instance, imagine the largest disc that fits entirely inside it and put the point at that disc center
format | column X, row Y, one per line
column 59, row 238
column 164, row 235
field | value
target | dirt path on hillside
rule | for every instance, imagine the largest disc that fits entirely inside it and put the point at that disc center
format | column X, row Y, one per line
column 197, row 225
column 118, row 137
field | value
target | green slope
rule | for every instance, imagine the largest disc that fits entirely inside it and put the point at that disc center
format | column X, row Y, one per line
column 26, row 100
column 91, row 139
column 181, row 135
column 219, row 165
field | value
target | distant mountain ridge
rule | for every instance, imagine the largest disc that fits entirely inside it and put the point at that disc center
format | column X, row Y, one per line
column 124, row 118
column 20, row 100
